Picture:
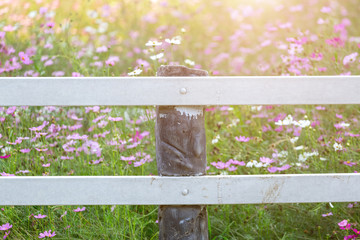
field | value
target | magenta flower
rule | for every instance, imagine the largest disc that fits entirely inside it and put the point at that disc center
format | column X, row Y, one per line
column 5, row 227
column 50, row 24
column 350, row 164
column 349, row 237
column 25, row 58
column 242, row 139
column 40, row 216
column 79, row 209
column 47, row 234
column 4, row 157
column 344, row 225
column 6, row 234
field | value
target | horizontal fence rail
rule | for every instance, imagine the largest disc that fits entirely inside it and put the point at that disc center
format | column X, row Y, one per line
column 132, row 91
column 155, row 190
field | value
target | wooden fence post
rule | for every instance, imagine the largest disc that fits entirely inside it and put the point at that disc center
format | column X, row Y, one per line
column 181, row 151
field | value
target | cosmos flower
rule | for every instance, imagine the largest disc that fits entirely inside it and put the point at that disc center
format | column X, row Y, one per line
column 47, row 234
column 79, row 209
column 135, row 72
column 5, row 227
column 25, row 58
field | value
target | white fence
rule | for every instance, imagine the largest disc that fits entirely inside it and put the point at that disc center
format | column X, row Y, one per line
column 155, row 190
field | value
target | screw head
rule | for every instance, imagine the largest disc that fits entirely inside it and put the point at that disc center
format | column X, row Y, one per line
column 183, row 90
column 185, row 192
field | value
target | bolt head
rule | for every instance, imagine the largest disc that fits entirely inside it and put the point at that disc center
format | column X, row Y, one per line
column 185, row 192
column 183, row 90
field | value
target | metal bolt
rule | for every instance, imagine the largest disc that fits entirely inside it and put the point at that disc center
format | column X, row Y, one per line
column 183, row 90
column 185, row 192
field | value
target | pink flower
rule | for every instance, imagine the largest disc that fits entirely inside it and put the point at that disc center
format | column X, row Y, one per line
column 336, row 42
column 348, row 163
column 76, row 74
column 316, row 56
column 65, row 213
column 47, row 234
column 327, row 214
column 266, row 160
column 232, row 168
column 322, row 69
column 25, row 150
column 242, row 139
column 58, row 73
column 25, row 58
column 5, row 227
column 40, row 216
column 343, row 223
column 46, row 165
column 4, row 157
column 50, row 24
column 41, row 150
column 6, row 234
column 115, row 119
column 130, row 158
column 109, row 63
column 350, row 58
column 4, row 174
column 79, row 209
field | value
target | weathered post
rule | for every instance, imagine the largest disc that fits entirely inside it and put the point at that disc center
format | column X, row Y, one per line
column 181, row 151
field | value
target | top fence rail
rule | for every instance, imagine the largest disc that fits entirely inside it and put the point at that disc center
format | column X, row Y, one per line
column 137, row 91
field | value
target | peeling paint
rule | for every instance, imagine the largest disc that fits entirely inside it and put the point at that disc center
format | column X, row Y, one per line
column 190, row 111
column 162, row 115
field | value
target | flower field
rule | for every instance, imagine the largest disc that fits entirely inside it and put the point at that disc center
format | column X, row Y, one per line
column 42, row 38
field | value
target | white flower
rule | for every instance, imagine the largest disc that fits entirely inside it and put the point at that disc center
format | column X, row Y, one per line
column 299, row 148
column 294, row 139
column 158, row 56
column 303, row 157
column 183, row 30
column 282, row 154
column 260, row 164
column 287, row 121
column 256, row 108
column 216, row 139
column 175, row 40
column 251, row 163
column 337, row 146
column 189, row 62
column 323, row 159
column 135, row 72
column 302, row 123
column 153, row 43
